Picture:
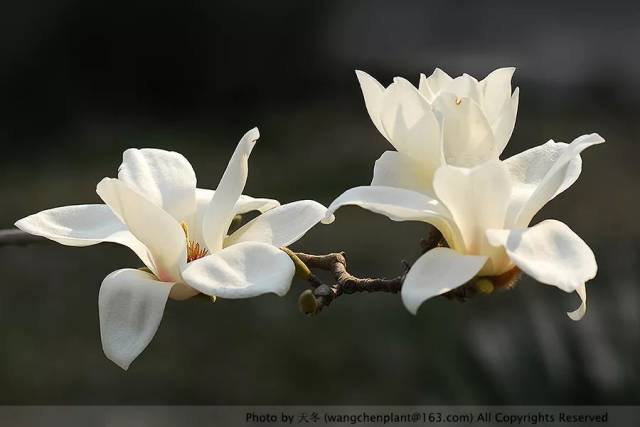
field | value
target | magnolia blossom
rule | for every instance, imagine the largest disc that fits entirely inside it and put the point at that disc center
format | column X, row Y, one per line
column 457, row 121
column 180, row 234
column 484, row 214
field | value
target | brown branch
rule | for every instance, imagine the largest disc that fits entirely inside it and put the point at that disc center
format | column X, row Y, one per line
column 312, row 301
column 434, row 239
column 322, row 295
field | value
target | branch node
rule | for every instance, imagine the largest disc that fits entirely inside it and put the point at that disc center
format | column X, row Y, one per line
column 345, row 282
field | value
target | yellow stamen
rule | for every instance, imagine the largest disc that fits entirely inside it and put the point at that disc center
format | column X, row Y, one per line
column 458, row 101
column 194, row 250
column 185, row 228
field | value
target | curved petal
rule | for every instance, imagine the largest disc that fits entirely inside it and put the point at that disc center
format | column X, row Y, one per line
column 83, row 225
column 436, row 272
column 430, row 87
column 280, row 226
column 400, row 205
column 130, row 305
column 181, row 292
column 477, row 199
column 165, row 178
column 247, row 204
column 550, row 253
column 582, row 310
column 373, row 93
column 410, row 125
column 154, row 227
column 555, row 179
column 220, row 211
column 503, row 126
column 530, row 167
column 243, row 205
column 394, row 169
column 245, row 270
column 464, row 86
column 467, row 138
column 496, row 91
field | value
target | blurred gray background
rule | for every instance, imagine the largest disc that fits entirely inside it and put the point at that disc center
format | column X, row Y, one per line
column 82, row 81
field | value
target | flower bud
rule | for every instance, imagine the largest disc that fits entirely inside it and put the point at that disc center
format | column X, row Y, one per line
column 307, row 303
column 484, row 286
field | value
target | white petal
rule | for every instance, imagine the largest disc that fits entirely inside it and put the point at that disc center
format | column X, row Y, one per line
column 165, row 178
column 373, row 93
column 243, row 205
column 503, row 126
column 467, row 135
column 410, row 125
column 399, row 205
column 247, row 204
column 130, row 304
column 245, row 270
column 582, row 310
column 436, row 272
column 280, row 226
column 477, row 199
column 549, row 252
column 464, row 86
column 556, row 179
column 394, row 169
column 221, row 209
column 431, row 86
column 83, row 225
column 530, row 167
column 150, row 224
column 496, row 91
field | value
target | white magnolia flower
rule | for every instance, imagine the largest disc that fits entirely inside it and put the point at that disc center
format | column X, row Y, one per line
column 460, row 122
column 484, row 214
column 180, row 234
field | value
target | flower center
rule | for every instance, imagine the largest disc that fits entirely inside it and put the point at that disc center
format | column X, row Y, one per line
column 458, row 101
column 194, row 250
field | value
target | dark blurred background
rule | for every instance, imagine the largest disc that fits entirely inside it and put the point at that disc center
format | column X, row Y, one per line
column 82, row 81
